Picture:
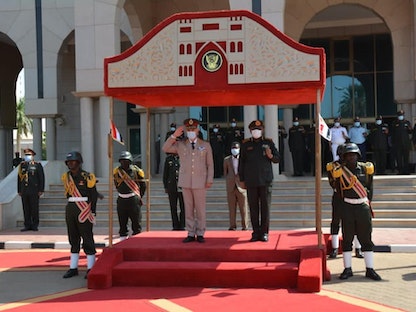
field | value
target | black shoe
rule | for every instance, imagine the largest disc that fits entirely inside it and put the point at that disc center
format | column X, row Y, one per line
column 71, row 273
column 232, row 229
column 346, row 274
column 333, row 254
column 254, row 238
column 358, row 253
column 35, row 229
column 24, row 230
column 200, row 239
column 264, row 237
column 189, row 239
column 86, row 274
column 370, row 273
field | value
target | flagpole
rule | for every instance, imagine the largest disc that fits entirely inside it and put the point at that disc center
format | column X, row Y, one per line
column 110, row 180
column 148, row 169
column 318, row 170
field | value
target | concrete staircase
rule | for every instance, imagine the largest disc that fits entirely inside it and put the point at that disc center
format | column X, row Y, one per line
column 293, row 205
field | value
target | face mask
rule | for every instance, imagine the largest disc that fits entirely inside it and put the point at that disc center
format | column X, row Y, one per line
column 400, row 117
column 296, row 123
column 337, row 124
column 235, row 151
column 191, row 135
column 356, row 124
column 256, row 133
column 28, row 157
column 172, row 129
column 215, row 130
column 378, row 122
column 233, row 124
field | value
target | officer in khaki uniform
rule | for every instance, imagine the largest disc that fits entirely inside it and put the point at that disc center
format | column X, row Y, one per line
column 196, row 175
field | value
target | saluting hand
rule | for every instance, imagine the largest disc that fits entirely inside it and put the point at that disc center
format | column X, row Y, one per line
column 178, row 132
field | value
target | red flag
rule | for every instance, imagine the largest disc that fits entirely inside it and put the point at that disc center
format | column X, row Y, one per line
column 115, row 134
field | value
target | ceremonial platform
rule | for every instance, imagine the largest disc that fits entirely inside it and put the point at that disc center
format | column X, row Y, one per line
column 290, row 259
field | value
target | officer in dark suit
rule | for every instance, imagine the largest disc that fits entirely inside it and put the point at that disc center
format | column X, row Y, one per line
column 297, row 146
column 256, row 175
column 30, row 186
column 282, row 137
column 217, row 141
column 378, row 139
column 170, row 183
column 400, row 131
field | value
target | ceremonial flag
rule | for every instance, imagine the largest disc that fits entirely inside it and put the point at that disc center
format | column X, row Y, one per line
column 115, row 134
column 324, row 129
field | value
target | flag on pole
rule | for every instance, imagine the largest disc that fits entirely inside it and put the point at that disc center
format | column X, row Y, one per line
column 115, row 134
column 324, row 129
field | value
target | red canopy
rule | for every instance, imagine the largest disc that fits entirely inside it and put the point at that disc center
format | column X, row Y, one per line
column 218, row 58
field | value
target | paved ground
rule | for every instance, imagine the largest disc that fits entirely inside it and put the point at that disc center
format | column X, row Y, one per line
column 396, row 266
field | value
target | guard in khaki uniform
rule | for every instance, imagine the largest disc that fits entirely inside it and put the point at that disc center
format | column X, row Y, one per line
column 81, row 192
column 354, row 182
column 236, row 195
column 196, row 175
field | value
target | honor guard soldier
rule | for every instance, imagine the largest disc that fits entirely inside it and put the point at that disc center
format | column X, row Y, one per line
column 30, row 186
column 196, row 175
column 130, row 184
column 256, row 175
column 354, row 182
column 80, row 211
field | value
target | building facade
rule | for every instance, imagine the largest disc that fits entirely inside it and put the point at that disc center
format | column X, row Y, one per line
column 61, row 46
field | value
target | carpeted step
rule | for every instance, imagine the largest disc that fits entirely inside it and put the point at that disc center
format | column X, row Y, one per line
column 206, row 274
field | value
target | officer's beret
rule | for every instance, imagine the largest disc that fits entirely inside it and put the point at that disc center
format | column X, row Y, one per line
column 27, row 151
column 191, row 123
column 400, row 113
column 256, row 124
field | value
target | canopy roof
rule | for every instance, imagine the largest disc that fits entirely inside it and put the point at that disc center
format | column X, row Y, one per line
column 218, row 58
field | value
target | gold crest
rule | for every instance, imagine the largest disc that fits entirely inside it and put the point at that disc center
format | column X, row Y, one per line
column 211, row 61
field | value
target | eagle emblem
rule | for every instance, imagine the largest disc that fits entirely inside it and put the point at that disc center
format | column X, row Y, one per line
column 211, row 61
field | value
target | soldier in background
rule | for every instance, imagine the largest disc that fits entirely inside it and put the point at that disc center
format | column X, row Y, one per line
column 400, row 131
column 232, row 134
column 217, row 141
column 130, row 184
column 378, row 139
column 297, row 146
column 30, row 186
column 282, row 137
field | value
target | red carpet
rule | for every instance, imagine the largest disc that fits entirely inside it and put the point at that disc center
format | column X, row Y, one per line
column 291, row 259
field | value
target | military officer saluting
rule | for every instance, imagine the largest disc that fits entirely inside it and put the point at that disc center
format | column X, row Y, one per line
column 30, row 186
column 256, row 175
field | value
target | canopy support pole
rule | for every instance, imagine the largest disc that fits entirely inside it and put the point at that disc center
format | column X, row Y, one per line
column 147, row 174
column 110, row 180
column 318, row 170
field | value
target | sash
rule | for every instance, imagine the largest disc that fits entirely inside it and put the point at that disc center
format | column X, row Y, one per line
column 83, row 206
column 350, row 181
column 129, row 182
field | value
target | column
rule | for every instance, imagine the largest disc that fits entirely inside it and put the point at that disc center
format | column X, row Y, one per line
column 50, row 139
column 37, row 137
column 287, row 123
column 101, row 137
column 87, row 133
column 250, row 114
column 143, row 140
column 272, row 129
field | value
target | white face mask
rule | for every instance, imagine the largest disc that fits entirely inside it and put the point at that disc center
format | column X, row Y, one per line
column 172, row 129
column 401, row 117
column 235, row 151
column 296, row 123
column 337, row 124
column 357, row 124
column 378, row 122
column 233, row 124
column 28, row 157
column 256, row 133
column 191, row 135
column 215, row 130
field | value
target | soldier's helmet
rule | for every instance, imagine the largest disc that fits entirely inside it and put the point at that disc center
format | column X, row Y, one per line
column 351, row 148
column 340, row 150
column 125, row 155
column 73, row 156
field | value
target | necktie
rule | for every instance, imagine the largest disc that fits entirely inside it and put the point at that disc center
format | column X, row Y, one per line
column 193, row 145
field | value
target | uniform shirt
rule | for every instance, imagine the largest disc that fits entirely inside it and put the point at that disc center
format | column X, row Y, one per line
column 31, row 179
column 337, row 135
column 379, row 137
column 86, row 185
column 255, row 168
column 357, row 134
column 171, row 173
column 134, row 172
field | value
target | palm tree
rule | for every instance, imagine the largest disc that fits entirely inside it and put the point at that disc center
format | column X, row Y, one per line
column 23, row 123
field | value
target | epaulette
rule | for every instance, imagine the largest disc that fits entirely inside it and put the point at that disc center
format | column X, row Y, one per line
column 268, row 139
column 246, row 140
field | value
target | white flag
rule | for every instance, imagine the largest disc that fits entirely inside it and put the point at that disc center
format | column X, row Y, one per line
column 324, row 129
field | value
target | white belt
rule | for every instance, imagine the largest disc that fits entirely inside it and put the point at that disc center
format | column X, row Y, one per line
column 356, row 201
column 128, row 195
column 77, row 199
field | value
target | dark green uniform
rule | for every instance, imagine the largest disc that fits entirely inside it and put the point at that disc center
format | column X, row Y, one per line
column 400, row 131
column 86, row 185
column 297, row 146
column 128, row 204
